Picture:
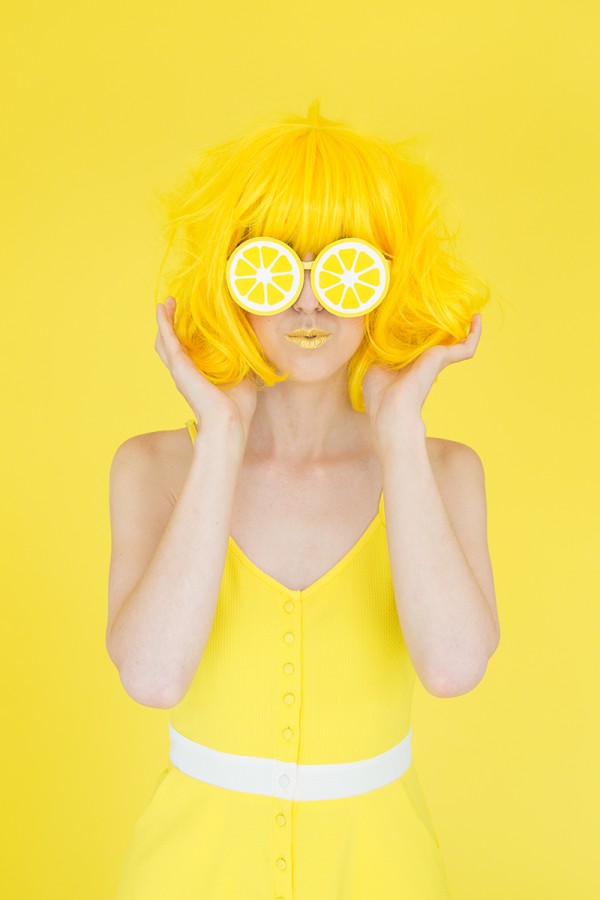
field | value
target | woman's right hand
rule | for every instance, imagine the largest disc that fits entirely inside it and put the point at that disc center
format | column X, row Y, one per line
column 211, row 405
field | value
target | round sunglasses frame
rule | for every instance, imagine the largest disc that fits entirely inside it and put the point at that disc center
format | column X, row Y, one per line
column 316, row 266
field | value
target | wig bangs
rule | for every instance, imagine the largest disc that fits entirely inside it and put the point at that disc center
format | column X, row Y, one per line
column 312, row 192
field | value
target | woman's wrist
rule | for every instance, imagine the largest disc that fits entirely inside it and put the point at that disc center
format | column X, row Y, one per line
column 223, row 435
column 405, row 433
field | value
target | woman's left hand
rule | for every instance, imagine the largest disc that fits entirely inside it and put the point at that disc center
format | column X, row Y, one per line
column 393, row 400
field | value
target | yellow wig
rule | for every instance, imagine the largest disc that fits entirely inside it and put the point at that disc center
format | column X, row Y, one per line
column 308, row 182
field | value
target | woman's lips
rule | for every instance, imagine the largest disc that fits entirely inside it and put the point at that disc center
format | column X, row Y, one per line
column 308, row 343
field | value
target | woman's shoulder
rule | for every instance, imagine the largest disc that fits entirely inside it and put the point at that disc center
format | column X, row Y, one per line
column 446, row 447
column 158, row 443
column 446, row 456
column 162, row 454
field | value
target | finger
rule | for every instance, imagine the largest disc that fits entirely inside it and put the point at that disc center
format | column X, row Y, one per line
column 474, row 334
column 466, row 348
column 165, row 327
column 160, row 348
column 160, row 322
column 170, row 315
column 161, row 319
column 166, row 343
column 470, row 341
column 170, row 349
column 475, row 329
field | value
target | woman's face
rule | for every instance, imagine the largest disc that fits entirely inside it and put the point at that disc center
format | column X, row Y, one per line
column 315, row 362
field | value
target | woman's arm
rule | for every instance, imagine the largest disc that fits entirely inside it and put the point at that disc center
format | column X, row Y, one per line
column 440, row 562
column 157, row 631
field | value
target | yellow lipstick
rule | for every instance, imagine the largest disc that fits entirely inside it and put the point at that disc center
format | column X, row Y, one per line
column 308, row 343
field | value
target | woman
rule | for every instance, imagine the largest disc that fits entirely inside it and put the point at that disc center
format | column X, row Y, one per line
column 259, row 586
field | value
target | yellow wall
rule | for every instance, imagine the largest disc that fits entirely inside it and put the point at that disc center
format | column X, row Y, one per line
column 104, row 105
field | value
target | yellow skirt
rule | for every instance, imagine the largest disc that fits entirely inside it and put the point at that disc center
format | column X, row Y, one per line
column 195, row 841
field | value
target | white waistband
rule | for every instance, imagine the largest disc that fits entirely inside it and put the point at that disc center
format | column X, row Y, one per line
column 291, row 781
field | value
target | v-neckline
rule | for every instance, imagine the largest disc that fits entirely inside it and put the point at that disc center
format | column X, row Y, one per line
column 192, row 427
column 323, row 579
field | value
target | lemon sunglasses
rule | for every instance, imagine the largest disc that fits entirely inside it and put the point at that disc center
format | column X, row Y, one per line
column 349, row 277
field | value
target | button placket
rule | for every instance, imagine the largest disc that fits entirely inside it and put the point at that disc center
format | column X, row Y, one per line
column 285, row 770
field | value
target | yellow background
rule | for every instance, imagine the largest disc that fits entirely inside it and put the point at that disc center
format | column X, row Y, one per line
column 106, row 104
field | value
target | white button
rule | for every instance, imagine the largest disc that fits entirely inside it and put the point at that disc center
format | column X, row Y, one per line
column 284, row 783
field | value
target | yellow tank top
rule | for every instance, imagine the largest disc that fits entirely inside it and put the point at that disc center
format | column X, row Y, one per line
column 348, row 668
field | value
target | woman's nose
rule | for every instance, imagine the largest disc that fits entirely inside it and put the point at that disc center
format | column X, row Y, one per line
column 307, row 300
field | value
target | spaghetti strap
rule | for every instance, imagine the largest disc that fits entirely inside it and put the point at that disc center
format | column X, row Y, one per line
column 192, row 427
column 381, row 509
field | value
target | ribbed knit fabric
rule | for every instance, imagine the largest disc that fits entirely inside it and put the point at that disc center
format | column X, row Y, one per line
column 314, row 676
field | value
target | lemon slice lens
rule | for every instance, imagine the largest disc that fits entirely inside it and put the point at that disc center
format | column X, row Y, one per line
column 263, row 276
column 350, row 279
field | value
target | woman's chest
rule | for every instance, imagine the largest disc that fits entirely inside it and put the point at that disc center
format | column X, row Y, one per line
column 295, row 528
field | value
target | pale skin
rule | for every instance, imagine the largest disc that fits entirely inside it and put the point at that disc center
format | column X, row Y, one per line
column 302, row 444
